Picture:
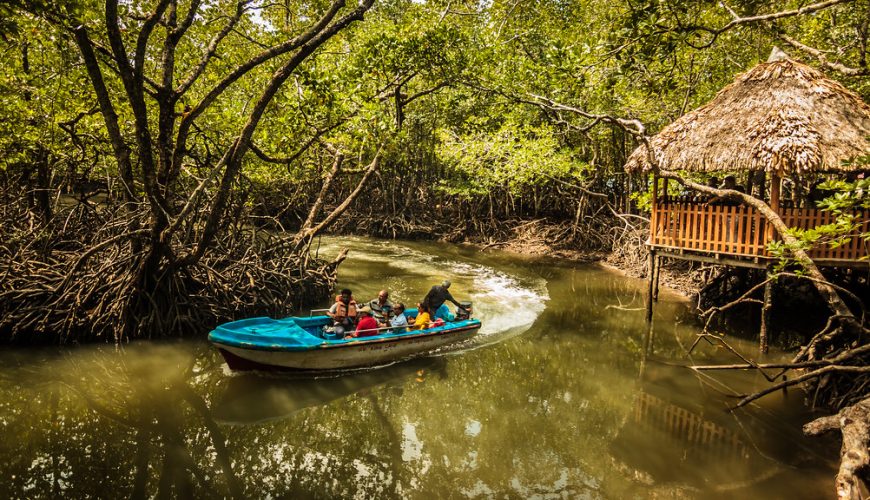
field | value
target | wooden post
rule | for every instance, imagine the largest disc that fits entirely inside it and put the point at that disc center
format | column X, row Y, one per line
column 647, row 349
column 775, row 183
column 649, row 295
column 656, row 279
column 766, row 307
column 654, row 203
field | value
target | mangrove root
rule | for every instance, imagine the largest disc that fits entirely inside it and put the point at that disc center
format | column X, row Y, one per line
column 853, row 423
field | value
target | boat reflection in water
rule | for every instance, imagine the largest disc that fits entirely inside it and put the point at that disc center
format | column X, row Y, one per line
column 254, row 398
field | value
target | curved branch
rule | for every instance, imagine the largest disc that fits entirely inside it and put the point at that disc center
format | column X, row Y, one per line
column 327, row 184
column 803, row 378
column 235, row 154
column 737, row 20
column 319, row 27
column 823, row 60
column 299, row 152
column 308, row 234
column 211, row 49
column 806, row 9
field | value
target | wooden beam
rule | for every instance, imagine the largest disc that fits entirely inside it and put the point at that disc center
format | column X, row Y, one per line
column 653, row 216
column 766, row 309
column 753, row 262
column 718, row 259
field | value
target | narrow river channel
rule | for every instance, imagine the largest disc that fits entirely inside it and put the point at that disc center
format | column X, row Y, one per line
column 565, row 393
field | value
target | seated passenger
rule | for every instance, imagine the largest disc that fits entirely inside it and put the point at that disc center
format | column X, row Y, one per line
column 367, row 326
column 423, row 317
column 399, row 322
column 729, row 182
column 343, row 312
column 379, row 304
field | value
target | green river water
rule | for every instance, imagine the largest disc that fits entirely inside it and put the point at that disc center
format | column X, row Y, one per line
column 565, row 393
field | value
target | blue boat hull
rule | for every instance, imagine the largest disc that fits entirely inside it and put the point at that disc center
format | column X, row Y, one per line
column 297, row 344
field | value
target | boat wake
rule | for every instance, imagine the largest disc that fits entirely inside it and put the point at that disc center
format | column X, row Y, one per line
column 507, row 300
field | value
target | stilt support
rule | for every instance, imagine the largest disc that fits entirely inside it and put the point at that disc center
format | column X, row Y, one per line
column 649, row 295
column 656, row 278
column 765, row 317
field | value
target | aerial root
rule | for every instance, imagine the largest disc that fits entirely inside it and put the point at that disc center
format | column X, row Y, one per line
column 86, row 276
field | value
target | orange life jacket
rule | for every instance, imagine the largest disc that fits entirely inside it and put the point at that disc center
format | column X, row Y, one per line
column 345, row 311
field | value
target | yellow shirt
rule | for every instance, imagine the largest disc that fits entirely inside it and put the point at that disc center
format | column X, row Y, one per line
column 422, row 321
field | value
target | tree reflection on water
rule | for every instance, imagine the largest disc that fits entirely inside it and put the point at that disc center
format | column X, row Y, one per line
column 580, row 405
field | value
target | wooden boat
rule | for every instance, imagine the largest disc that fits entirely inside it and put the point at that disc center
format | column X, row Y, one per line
column 300, row 343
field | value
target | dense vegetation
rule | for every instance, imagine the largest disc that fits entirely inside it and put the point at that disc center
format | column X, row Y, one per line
column 145, row 143
column 165, row 164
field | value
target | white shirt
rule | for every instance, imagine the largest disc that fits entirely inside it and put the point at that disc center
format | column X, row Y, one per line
column 399, row 320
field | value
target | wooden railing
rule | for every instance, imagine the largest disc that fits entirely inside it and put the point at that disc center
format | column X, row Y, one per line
column 808, row 218
column 740, row 230
column 700, row 434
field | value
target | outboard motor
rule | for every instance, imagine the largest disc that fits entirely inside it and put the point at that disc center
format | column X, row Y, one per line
column 464, row 311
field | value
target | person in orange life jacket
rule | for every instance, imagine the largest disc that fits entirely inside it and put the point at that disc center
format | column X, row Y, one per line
column 367, row 325
column 343, row 312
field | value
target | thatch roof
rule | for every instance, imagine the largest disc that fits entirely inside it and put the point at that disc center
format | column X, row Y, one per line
column 780, row 116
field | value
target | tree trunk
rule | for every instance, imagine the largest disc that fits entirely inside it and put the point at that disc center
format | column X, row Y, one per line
column 854, row 424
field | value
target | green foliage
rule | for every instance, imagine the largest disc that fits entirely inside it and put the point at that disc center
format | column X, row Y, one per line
column 642, row 200
column 438, row 85
column 846, row 195
column 513, row 159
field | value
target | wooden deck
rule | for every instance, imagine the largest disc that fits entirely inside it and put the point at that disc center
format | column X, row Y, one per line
column 740, row 233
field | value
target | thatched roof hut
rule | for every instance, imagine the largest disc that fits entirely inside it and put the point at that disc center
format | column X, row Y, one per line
column 781, row 116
